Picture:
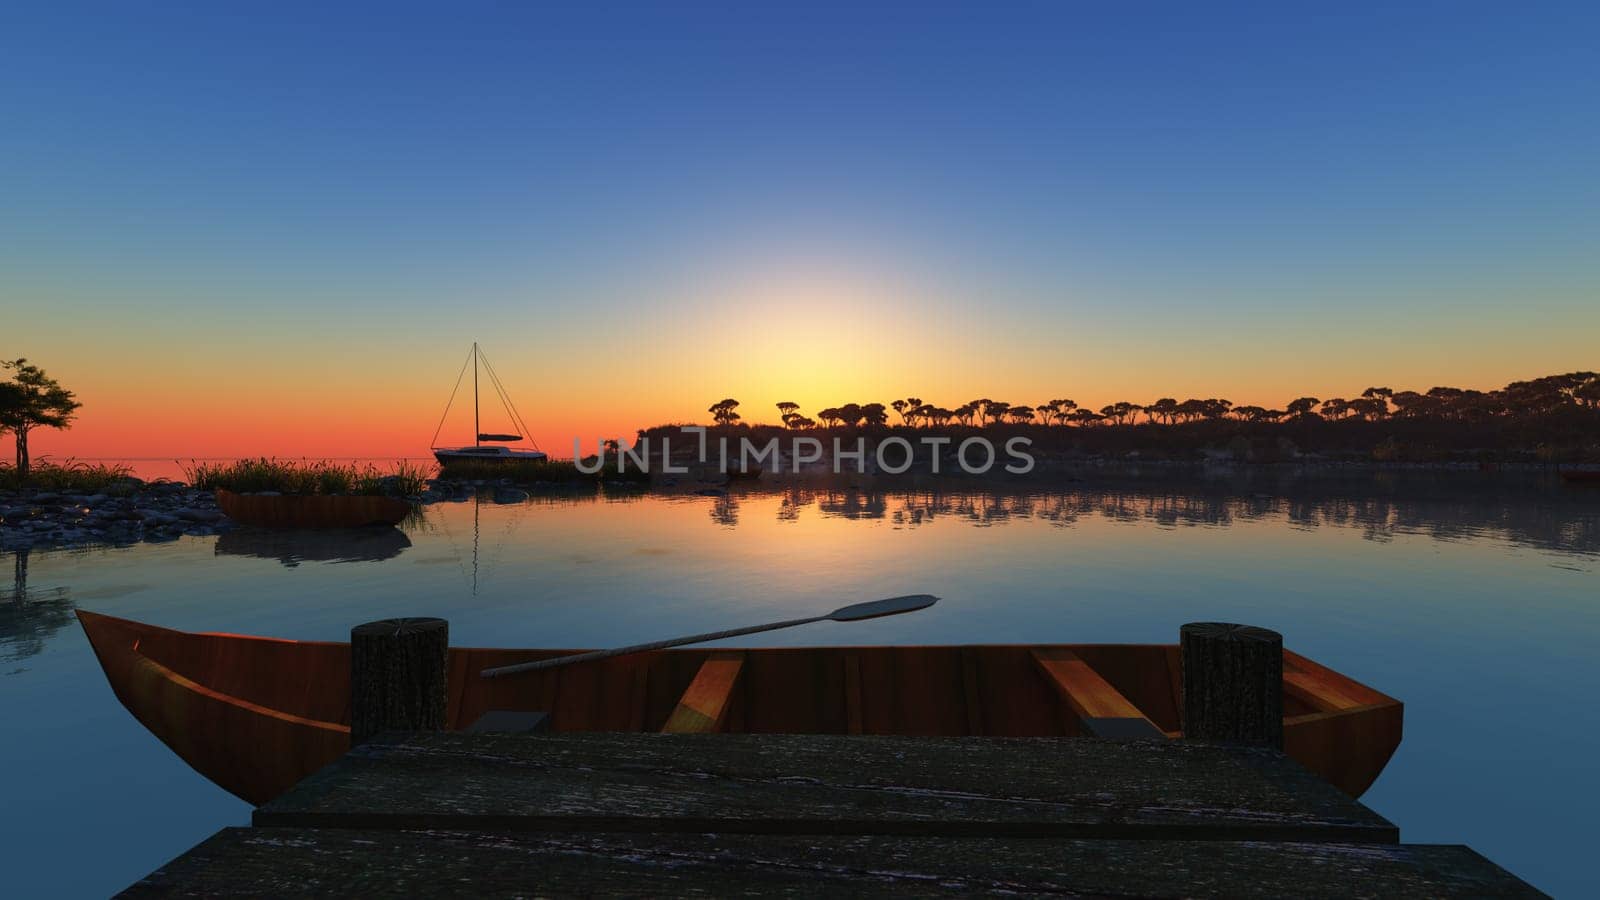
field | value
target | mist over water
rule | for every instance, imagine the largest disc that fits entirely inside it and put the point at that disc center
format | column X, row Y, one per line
column 1472, row 598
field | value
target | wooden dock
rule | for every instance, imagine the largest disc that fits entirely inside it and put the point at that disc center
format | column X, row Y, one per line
column 487, row 815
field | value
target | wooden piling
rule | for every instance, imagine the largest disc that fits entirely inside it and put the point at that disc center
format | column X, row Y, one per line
column 1232, row 683
column 398, row 676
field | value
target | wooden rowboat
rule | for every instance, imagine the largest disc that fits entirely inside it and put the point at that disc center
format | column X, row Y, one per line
column 311, row 511
column 256, row 715
column 1581, row 476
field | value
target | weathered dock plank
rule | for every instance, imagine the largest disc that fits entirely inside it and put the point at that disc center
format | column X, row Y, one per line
column 826, row 784
column 340, row 862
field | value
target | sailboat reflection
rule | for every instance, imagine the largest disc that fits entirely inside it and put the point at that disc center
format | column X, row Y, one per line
column 510, row 505
column 292, row 547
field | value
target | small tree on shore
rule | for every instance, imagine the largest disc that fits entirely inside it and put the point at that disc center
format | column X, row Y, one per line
column 32, row 400
column 722, row 412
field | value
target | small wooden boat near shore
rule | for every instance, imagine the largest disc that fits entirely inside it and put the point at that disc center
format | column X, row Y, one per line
column 1581, row 476
column 256, row 715
column 312, row 510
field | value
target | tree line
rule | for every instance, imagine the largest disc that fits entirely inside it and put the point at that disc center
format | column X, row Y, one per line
column 1533, row 398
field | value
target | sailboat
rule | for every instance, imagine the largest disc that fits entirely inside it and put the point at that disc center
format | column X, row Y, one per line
column 479, row 452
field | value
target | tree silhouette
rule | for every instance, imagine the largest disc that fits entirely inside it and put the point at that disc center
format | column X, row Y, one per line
column 1165, row 410
column 1302, row 406
column 1524, row 402
column 722, row 412
column 911, row 411
column 32, row 400
column 1190, row 410
column 980, row 409
column 1369, row 408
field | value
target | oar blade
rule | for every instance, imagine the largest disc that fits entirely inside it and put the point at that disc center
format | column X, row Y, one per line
column 892, row 606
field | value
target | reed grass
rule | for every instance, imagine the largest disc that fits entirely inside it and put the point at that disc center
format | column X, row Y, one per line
column 306, row 477
column 70, row 476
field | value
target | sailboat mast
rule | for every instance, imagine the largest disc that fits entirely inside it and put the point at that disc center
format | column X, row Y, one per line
column 476, row 429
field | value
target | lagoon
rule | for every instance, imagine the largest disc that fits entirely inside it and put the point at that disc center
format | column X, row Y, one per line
column 1474, row 598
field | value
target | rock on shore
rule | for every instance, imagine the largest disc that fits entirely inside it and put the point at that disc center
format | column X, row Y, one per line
column 136, row 511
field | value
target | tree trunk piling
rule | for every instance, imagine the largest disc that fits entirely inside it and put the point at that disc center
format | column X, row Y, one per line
column 1232, row 683
column 398, row 676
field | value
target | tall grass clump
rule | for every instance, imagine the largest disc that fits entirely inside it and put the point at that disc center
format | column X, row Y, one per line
column 71, row 477
column 405, row 479
column 304, row 477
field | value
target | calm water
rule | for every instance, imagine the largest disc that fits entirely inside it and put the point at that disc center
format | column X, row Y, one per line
column 1474, row 600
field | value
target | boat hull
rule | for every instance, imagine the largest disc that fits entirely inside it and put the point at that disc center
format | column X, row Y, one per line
column 1590, row 477
column 446, row 457
column 313, row 511
column 256, row 715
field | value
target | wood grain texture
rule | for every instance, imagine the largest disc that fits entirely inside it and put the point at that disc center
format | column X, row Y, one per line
column 398, row 676
column 256, row 714
column 336, row 862
column 825, row 784
column 705, row 702
column 1232, row 683
column 311, row 511
column 1090, row 697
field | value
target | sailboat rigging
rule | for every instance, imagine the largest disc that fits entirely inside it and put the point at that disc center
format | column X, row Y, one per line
column 478, row 451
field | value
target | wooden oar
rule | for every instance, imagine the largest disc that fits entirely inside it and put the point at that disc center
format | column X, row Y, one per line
column 892, row 606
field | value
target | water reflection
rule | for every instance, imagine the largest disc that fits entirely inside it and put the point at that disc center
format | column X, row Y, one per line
column 29, row 616
column 1529, row 513
column 471, row 553
column 292, row 547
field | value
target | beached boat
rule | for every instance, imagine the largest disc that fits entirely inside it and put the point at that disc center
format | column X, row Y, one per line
column 1581, row 476
column 311, row 510
column 255, row 715
column 478, row 452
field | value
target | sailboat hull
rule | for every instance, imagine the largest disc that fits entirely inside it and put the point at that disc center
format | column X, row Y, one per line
column 487, row 455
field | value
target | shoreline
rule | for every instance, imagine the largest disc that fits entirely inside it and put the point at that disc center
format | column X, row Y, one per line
column 136, row 511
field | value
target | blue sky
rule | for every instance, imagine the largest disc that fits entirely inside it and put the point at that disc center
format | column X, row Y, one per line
column 1405, row 185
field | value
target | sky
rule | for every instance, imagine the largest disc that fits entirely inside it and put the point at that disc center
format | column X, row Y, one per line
column 240, row 229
